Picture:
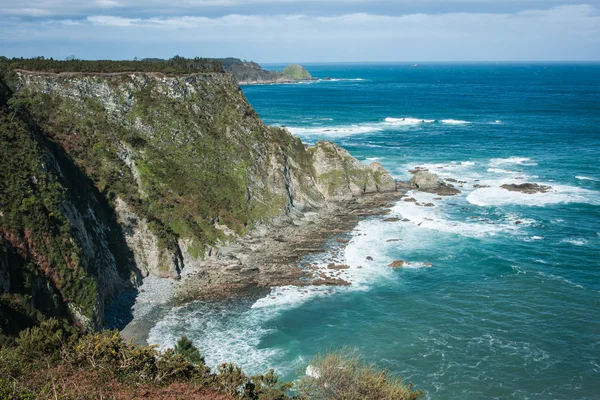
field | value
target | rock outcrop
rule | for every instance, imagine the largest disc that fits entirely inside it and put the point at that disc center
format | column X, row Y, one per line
column 429, row 182
column 339, row 176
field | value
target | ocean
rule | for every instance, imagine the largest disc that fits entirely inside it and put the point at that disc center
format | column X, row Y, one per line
column 501, row 296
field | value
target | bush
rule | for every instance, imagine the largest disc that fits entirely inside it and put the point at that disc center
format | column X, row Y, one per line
column 343, row 375
column 187, row 350
column 42, row 342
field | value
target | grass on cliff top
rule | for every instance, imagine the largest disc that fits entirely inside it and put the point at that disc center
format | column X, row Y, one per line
column 176, row 65
column 52, row 361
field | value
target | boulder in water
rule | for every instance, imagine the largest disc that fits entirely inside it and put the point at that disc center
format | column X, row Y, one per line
column 429, row 182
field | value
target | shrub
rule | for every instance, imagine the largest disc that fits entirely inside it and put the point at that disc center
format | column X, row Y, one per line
column 268, row 387
column 185, row 348
column 343, row 375
column 231, row 379
column 42, row 342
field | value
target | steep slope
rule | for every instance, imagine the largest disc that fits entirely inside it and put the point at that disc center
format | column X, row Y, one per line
column 155, row 172
column 62, row 252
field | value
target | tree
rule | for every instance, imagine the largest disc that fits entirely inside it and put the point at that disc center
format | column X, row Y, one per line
column 186, row 348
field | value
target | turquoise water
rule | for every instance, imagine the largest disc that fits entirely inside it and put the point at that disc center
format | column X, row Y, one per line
column 510, row 307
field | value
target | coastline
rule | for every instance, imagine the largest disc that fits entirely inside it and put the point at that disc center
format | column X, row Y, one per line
column 269, row 256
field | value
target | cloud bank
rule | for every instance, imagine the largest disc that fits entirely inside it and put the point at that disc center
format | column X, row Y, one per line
column 563, row 32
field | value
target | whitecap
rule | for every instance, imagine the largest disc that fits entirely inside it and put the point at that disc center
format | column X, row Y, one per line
column 533, row 238
column 495, row 196
column 500, row 171
column 454, row 122
column 575, row 241
column 407, row 121
column 587, row 178
column 495, row 162
column 344, row 130
column 342, row 80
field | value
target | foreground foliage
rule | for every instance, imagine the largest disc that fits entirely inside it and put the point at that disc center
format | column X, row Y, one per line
column 53, row 361
column 343, row 375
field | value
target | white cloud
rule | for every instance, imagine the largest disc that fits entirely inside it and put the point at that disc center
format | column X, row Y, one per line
column 113, row 21
column 560, row 33
column 27, row 12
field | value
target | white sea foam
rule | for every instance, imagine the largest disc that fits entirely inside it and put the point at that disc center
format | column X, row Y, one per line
column 495, row 162
column 344, row 130
column 408, row 121
column 575, row 241
column 496, row 196
column 586, row 178
column 533, row 238
column 342, row 80
column 468, row 163
column 367, row 127
column 500, row 171
column 432, row 219
column 454, row 122
column 374, row 158
column 222, row 335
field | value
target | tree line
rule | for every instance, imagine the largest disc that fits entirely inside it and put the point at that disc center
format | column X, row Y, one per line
column 175, row 65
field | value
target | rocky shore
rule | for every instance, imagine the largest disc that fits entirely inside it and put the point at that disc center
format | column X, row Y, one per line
column 269, row 256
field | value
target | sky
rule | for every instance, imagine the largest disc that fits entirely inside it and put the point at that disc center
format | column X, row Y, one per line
column 277, row 31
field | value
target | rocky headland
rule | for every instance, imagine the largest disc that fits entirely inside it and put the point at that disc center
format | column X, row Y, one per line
column 121, row 176
column 251, row 73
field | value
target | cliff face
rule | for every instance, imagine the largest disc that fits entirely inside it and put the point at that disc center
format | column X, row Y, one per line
column 147, row 174
column 62, row 252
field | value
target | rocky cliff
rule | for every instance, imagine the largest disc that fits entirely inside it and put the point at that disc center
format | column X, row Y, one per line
column 116, row 176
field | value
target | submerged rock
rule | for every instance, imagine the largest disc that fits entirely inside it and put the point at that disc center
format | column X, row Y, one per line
column 396, row 264
column 527, row 188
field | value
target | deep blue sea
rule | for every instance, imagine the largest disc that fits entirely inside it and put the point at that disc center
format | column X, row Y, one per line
column 510, row 307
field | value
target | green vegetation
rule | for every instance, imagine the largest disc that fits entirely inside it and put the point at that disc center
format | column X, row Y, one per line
column 343, row 375
column 186, row 349
column 176, row 65
column 297, row 72
column 40, row 262
column 191, row 170
column 53, row 361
